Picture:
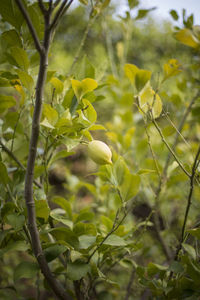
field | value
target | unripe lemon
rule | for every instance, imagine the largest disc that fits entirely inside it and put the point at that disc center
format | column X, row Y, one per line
column 99, row 152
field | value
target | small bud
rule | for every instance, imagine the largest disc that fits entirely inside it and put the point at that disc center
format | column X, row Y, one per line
column 99, row 152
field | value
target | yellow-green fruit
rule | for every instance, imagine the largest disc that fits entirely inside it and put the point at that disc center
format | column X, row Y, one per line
column 99, row 152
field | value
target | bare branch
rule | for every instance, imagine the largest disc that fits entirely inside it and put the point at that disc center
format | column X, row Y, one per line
column 169, row 148
column 189, row 202
column 30, row 26
column 62, row 9
column 42, row 7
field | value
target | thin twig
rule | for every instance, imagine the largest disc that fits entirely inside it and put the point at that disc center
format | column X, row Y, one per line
column 32, row 30
column 129, row 286
column 169, row 148
column 114, row 228
column 42, row 7
column 189, row 202
column 63, row 7
column 82, row 43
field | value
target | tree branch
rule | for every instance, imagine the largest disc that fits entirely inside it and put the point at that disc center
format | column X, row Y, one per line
column 42, row 7
column 189, row 202
column 36, row 244
column 169, row 148
column 62, row 9
column 30, row 26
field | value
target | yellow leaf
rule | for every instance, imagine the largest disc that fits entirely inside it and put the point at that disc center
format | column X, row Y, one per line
column 149, row 100
column 186, row 37
column 130, row 71
column 83, row 87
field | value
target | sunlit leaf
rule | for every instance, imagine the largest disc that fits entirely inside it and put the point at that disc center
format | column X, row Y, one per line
column 186, row 37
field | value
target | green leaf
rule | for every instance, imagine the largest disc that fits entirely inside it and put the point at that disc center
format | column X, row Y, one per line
column 62, row 219
column 83, row 87
column 86, row 241
column 11, row 38
column 50, row 114
column 10, row 13
column 46, row 124
column 42, row 209
column 26, row 270
column 195, row 232
column 130, row 186
column 81, row 228
column 64, row 203
column 176, row 267
column 77, row 270
column 6, row 102
column 26, row 80
column 16, row 221
column 142, row 13
column 186, row 37
column 85, row 215
column 133, row 3
column 120, row 169
column 89, row 111
column 115, row 240
column 54, row 251
column 154, row 269
column 85, row 2
column 141, row 78
column 65, row 234
column 59, row 155
column 190, row 250
column 97, row 127
column 130, row 72
column 174, row 14
column 149, row 100
column 57, row 85
column 4, row 179
column 171, row 68
column 19, row 58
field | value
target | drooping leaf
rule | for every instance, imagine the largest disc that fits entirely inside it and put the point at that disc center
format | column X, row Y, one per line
column 89, row 111
column 171, row 68
column 186, row 37
column 115, row 240
column 77, row 270
column 54, row 251
column 141, row 78
column 57, row 85
column 130, row 186
column 10, row 13
column 4, row 178
column 64, row 203
column 50, row 114
column 11, row 38
column 6, row 102
column 130, row 72
column 86, row 241
column 83, row 87
column 149, row 100
column 42, row 209
column 26, row 80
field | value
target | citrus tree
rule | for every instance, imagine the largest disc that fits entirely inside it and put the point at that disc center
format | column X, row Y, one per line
column 99, row 168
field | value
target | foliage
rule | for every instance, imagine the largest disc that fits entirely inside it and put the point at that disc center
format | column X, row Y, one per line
column 124, row 230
